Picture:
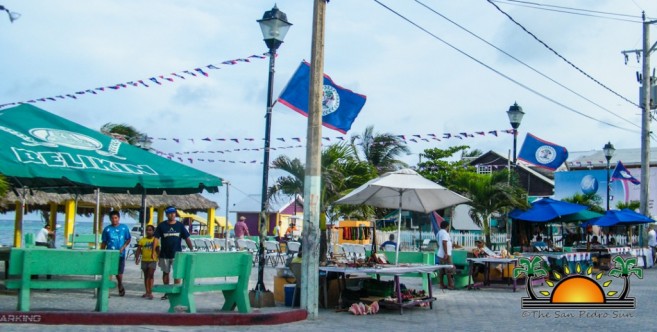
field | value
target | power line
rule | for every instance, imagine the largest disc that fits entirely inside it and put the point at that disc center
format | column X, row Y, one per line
column 560, row 56
column 571, row 10
column 495, row 70
column 526, row 65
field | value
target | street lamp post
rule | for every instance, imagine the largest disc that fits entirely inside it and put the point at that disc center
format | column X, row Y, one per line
column 13, row 16
column 274, row 26
column 609, row 152
column 515, row 114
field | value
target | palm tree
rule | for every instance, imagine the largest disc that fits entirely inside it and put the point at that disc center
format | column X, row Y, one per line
column 531, row 268
column 4, row 186
column 380, row 150
column 625, row 268
column 489, row 194
column 341, row 172
column 593, row 201
column 632, row 205
column 128, row 134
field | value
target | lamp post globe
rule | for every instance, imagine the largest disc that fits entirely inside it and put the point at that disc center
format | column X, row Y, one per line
column 608, row 150
column 274, row 26
column 515, row 115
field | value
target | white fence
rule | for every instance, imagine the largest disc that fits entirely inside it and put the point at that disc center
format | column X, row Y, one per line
column 409, row 239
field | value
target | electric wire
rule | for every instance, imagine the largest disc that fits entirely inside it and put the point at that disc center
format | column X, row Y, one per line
column 571, row 10
column 561, row 56
column 526, row 65
column 497, row 71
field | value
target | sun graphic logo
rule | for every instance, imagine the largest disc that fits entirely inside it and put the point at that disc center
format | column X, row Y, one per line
column 579, row 289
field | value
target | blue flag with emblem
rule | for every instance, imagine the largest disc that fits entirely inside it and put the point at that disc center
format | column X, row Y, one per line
column 621, row 173
column 542, row 153
column 340, row 106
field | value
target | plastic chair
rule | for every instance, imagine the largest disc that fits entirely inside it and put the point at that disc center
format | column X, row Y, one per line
column 273, row 253
column 293, row 248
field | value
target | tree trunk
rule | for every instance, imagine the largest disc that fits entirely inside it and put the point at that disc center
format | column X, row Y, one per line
column 626, row 288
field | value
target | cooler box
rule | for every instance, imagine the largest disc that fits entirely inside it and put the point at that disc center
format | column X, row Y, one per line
column 289, row 295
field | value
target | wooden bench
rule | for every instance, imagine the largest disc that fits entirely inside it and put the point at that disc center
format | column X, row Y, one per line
column 61, row 262
column 197, row 268
column 83, row 241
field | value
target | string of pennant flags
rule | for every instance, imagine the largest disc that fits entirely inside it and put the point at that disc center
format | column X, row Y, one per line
column 184, row 156
column 202, row 71
column 409, row 138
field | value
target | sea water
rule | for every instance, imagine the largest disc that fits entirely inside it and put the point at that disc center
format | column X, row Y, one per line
column 33, row 226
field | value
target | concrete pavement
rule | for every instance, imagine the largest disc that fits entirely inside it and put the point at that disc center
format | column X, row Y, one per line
column 488, row 309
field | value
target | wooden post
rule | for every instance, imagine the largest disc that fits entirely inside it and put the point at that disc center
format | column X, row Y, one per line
column 313, row 175
column 69, row 219
column 18, row 225
column 211, row 222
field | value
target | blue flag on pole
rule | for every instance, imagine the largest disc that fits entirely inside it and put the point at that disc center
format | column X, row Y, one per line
column 340, row 106
column 621, row 173
column 542, row 153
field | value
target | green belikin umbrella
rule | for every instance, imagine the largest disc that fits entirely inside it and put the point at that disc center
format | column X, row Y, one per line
column 42, row 150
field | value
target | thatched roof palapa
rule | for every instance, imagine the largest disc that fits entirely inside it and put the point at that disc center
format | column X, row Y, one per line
column 39, row 200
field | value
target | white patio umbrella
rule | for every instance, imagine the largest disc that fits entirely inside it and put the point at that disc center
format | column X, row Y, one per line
column 403, row 189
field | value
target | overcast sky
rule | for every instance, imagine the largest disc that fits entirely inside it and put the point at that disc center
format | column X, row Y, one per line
column 414, row 83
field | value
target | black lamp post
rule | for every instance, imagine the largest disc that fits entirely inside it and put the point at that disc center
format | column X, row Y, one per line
column 609, row 152
column 13, row 16
column 274, row 26
column 515, row 114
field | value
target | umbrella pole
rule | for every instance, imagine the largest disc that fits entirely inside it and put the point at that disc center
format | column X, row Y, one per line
column 97, row 219
column 398, row 229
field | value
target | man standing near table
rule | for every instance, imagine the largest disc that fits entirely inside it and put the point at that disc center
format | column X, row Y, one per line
column 445, row 255
column 168, row 236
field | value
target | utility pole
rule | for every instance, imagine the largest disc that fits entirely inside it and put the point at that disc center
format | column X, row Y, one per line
column 313, row 176
column 646, row 104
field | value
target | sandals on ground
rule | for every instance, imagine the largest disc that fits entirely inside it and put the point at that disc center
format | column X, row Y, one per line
column 121, row 291
column 164, row 297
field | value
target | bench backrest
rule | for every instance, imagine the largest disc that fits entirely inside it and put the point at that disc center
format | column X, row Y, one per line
column 63, row 262
column 212, row 264
column 460, row 257
column 83, row 241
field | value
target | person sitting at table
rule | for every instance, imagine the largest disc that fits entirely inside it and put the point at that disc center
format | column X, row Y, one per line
column 594, row 240
column 481, row 251
column 391, row 242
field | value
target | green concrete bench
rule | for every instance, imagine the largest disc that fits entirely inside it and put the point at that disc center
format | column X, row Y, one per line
column 83, row 241
column 198, row 270
column 412, row 257
column 61, row 262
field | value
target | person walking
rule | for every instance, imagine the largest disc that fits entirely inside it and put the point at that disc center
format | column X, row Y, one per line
column 146, row 250
column 168, row 236
column 117, row 237
column 241, row 229
column 445, row 255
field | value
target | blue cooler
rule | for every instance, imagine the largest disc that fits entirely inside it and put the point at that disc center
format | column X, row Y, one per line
column 289, row 294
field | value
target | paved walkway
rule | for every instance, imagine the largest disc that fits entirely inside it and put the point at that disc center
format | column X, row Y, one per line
column 477, row 310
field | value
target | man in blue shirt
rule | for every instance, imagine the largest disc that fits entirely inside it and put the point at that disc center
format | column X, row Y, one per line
column 390, row 242
column 168, row 235
column 117, row 237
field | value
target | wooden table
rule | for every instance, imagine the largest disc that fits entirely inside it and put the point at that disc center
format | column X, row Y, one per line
column 391, row 270
column 487, row 261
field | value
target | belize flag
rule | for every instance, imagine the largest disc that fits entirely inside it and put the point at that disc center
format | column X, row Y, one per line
column 542, row 153
column 621, row 173
column 340, row 106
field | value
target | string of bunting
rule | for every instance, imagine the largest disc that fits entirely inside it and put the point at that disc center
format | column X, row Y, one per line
column 411, row 138
column 202, row 71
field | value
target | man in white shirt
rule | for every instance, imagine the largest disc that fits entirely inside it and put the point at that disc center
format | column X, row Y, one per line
column 445, row 255
column 652, row 241
column 43, row 236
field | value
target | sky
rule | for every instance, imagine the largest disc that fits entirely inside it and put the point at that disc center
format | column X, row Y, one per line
column 416, row 83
